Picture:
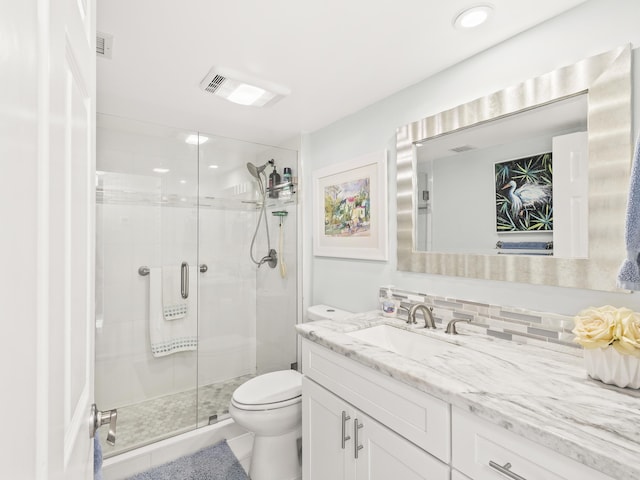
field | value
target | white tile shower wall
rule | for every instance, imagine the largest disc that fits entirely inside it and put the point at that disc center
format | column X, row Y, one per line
column 549, row 330
column 277, row 296
column 227, row 311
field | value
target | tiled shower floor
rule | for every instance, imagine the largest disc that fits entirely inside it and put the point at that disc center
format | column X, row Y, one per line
column 163, row 417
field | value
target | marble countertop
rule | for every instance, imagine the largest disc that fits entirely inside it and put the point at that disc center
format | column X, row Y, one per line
column 540, row 394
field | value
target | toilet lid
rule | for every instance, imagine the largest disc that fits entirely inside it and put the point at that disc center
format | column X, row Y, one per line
column 270, row 388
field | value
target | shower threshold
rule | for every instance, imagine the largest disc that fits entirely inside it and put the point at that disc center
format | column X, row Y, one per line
column 153, row 420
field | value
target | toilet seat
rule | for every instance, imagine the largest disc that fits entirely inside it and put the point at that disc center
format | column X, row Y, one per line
column 269, row 391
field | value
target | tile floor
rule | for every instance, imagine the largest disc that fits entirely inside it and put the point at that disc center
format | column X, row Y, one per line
column 159, row 418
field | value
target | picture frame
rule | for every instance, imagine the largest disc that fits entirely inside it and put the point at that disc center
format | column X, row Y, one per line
column 350, row 209
column 524, row 194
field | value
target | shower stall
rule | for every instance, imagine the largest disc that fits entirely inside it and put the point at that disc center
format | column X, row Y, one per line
column 183, row 315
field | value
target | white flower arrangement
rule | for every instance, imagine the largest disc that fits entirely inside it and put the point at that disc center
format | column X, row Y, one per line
column 606, row 326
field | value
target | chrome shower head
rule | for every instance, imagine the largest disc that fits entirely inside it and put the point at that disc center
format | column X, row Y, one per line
column 253, row 170
column 256, row 171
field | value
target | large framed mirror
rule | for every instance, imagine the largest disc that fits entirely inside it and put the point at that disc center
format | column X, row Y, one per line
column 597, row 93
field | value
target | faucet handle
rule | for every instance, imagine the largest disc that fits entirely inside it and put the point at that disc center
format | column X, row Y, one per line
column 451, row 326
column 405, row 309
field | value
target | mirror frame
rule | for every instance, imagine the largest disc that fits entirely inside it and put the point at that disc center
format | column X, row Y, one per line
column 606, row 79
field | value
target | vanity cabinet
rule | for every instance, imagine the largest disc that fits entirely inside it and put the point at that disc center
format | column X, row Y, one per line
column 360, row 425
column 485, row 451
column 342, row 442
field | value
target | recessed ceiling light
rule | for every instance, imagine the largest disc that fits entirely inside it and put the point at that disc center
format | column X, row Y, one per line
column 183, row 181
column 195, row 139
column 213, row 166
column 473, row 16
column 161, row 170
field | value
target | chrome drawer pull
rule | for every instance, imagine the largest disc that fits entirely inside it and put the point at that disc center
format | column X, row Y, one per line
column 505, row 470
column 356, row 426
column 345, row 437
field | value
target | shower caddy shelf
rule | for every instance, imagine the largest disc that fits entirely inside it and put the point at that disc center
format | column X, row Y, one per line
column 281, row 186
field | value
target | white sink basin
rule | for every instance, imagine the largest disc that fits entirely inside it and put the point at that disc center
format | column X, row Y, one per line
column 403, row 342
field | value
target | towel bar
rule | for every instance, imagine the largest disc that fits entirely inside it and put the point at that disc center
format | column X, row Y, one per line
column 143, row 271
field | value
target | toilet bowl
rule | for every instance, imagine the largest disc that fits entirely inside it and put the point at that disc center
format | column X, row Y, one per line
column 270, row 406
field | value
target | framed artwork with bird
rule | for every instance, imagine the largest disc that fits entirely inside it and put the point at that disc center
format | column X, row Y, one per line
column 524, row 194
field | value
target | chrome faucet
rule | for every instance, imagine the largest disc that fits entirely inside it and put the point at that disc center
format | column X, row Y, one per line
column 429, row 321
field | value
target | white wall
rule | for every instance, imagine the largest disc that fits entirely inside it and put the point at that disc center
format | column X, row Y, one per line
column 591, row 28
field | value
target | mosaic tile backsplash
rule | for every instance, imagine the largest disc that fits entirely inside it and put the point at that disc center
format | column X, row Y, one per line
column 550, row 330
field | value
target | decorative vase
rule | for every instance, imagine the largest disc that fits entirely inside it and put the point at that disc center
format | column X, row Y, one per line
column 611, row 367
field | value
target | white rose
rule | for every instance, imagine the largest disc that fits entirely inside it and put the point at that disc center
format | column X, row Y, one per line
column 628, row 335
column 595, row 327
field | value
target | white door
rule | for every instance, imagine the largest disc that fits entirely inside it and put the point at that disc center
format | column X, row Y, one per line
column 571, row 195
column 47, row 64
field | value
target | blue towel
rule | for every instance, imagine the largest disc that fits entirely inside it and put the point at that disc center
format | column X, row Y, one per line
column 527, row 245
column 97, row 458
column 629, row 275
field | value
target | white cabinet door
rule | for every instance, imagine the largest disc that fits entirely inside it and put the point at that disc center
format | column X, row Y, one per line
column 331, row 439
column 456, row 475
column 323, row 451
column 385, row 455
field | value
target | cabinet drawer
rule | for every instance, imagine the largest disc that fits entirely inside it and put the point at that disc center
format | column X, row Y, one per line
column 416, row 416
column 481, row 448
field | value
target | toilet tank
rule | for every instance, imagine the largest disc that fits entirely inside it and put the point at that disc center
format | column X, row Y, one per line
column 325, row 312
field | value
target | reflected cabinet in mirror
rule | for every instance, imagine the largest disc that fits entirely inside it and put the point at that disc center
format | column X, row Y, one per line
column 528, row 184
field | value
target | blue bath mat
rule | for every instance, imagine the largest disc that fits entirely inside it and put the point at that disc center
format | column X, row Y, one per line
column 212, row 463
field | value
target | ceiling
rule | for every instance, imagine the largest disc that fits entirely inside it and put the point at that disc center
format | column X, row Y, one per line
column 336, row 56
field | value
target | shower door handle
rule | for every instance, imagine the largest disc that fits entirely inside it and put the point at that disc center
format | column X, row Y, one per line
column 184, row 280
column 99, row 418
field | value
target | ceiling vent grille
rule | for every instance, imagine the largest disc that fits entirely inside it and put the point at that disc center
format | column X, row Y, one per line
column 242, row 89
column 463, row 148
column 215, row 84
column 104, row 43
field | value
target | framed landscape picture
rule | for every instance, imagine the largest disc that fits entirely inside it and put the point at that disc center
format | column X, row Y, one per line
column 350, row 209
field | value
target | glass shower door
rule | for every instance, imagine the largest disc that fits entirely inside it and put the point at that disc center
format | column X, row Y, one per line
column 147, row 277
column 247, row 314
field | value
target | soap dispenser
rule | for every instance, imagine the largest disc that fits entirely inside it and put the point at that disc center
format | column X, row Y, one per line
column 274, row 181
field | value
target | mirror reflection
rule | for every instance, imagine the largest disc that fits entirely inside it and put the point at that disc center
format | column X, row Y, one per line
column 513, row 186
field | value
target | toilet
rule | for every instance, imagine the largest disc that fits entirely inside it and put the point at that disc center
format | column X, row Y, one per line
column 270, row 406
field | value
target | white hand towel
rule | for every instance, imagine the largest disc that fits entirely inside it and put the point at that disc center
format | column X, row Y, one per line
column 177, row 335
column 173, row 305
